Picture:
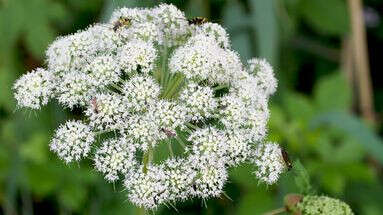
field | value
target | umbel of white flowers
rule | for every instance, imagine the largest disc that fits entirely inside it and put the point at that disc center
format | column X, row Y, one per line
column 149, row 78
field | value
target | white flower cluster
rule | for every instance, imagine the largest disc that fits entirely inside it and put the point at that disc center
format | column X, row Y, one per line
column 216, row 31
column 264, row 75
column 135, row 55
column 150, row 78
column 106, row 111
column 199, row 101
column 34, row 89
column 115, row 156
column 72, row 141
column 269, row 162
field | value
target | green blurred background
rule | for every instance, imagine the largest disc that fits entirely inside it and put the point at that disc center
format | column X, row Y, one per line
column 318, row 114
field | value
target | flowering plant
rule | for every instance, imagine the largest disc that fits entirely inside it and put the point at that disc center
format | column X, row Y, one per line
column 150, row 78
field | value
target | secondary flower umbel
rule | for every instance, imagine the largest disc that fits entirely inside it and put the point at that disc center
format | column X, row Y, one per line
column 176, row 102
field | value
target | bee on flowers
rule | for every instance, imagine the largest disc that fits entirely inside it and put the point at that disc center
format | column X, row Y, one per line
column 197, row 20
column 121, row 22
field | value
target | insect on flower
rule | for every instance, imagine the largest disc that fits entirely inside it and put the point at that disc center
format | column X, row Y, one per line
column 286, row 159
column 155, row 198
column 93, row 101
column 121, row 22
column 168, row 132
column 197, row 20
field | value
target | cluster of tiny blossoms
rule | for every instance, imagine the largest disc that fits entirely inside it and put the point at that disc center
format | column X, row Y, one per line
column 150, row 77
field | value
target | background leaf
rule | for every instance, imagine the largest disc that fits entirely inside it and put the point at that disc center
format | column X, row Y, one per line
column 302, row 178
column 333, row 93
column 328, row 17
column 354, row 128
column 265, row 25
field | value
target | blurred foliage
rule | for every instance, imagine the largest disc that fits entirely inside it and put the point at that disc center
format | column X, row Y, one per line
column 312, row 115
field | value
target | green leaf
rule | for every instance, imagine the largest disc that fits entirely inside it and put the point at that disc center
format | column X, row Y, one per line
column 302, row 178
column 333, row 93
column 197, row 8
column 358, row 172
column 243, row 175
column 234, row 17
column 241, row 42
column 333, row 181
column 29, row 20
column 298, row 106
column 235, row 20
column 353, row 127
column 277, row 123
column 72, row 196
column 38, row 38
column 42, row 179
column 6, row 82
column 265, row 24
column 349, row 152
column 57, row 11
column 36, row 149
column 255, row 201
column 327, row 17
column 12, row 17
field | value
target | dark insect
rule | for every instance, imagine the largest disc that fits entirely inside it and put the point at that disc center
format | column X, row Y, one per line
column 156, row 196
column 286, row 159
column 94, row 104
column 168, row 132
column 197, row 20
column 121, row 22
column 194, row 187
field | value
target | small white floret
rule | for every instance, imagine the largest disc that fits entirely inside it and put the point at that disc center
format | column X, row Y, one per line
column 72, row 141
column 34, row 89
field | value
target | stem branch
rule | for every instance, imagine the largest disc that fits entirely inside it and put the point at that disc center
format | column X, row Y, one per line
column 147, row 158
column 170, row 148
column 141, row 211
column 361, row 60
column 276, row 211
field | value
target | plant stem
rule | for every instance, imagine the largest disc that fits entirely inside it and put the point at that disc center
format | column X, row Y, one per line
column 174, row 85
column 347, row 66
column 362, row 66
column 116, row 87
column 141, row 211
column 181, row 142
column 220, row 87
column 192, row 126
column 102, row 132
column 170, row 148
column 276, row 211
column 147, row 158
column 164, row 71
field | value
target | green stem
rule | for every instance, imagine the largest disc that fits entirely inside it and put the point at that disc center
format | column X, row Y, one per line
column 164, row 71
column 180, row 141
column 117, row 87
column 220, row 87
column 276, row 211
column 170, row 148
column 141, row 211
column 192, row 126
column 174, row 86
column 102, row 132
column 147, row 159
